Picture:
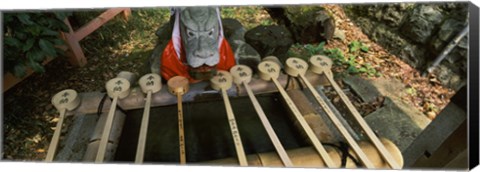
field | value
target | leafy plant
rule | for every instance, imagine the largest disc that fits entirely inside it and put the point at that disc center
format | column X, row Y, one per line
column 338, row 56
column 318, row 49
column 354, row 46
column 346, row 59
column 30, row 38
column 369, row 70
column 266, row 22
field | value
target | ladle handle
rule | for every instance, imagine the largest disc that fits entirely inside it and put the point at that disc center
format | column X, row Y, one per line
column 339, row 125
column 234, row 129
column 143, row 130
column 181, row 133
column 271, row 133
column 381, row 148
column 56, row 137
column 311, row 135
column 106, row 132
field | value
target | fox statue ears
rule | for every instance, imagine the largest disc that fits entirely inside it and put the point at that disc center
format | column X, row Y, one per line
column 179, row 10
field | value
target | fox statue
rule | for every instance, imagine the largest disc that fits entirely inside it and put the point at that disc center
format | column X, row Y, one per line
column 197, row 47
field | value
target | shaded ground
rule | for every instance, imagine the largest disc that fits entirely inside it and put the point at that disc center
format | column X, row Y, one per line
column 29, row 118
column 424, row 93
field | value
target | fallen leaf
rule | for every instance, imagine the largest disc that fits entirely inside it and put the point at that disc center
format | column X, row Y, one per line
column 431, row 115
column 336, row 99
column 40, row 150
column 54, row 120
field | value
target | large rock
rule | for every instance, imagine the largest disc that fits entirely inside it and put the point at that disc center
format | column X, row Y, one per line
column 270, row 40
column 234, row 32
column 409, row 53
column 233, row 29
column 366, row 24
column 246, row 54
column 390, row 14
column 395, row 120
column 393, row 14
column 448, row 31
column 386, row 36
column 449, row 76
column 369, row 89
column 308, row 24
column 398, row 122
column 421, row 23
column 362, row 88
column 418, row 33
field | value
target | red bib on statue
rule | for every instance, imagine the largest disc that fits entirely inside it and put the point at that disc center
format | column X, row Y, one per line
column 172, row 65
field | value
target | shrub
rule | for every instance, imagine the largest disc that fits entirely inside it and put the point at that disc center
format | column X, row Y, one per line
column 29, row 38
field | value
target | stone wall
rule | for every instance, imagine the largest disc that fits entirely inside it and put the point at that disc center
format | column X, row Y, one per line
column 418, row 33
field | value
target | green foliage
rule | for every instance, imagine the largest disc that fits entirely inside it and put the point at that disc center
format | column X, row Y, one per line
column 30, row 38
column 312, row 50
column 338, row 57
column 301, row 15
column 266, row 22
column 354, row 46
column 249, row 16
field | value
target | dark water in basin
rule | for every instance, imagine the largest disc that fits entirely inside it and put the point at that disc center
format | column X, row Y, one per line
column 207, row 133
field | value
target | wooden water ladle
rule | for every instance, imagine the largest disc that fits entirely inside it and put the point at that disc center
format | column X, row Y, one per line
column 242, row 75
column 64, row 100
column 117, row 88
column 221, row 82
column 149, row 83
column 269, row 70
column 297, row 67
column 322, row 64
column 178, row 85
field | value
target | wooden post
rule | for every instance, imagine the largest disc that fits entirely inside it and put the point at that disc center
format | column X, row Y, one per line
column 126, row 13
column 75, row 52
column 73, row 38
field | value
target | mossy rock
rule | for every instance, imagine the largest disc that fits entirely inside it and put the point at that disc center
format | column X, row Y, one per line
column 308, row 24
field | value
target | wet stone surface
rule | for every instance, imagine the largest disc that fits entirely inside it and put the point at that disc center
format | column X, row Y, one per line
column 395, row 120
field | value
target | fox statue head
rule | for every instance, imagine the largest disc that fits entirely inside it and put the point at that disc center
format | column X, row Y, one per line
column 200, row 32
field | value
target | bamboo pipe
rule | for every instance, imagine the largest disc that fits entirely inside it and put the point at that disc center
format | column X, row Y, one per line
column 64, row 100
column 178, row 86
column 150, row 83
column 297, row 67
column 308, row 157
column 322, row 64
